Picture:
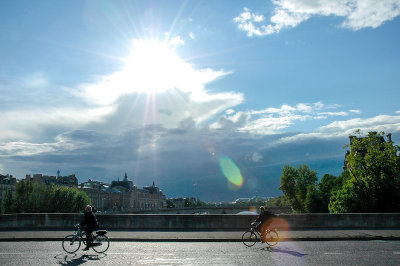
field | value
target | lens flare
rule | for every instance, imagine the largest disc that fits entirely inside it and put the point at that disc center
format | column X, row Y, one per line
column 252, row 209
column 231, row 171
column 280, row 224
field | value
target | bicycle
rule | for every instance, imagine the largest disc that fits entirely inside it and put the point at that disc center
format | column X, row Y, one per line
column 71, row 243
column 251, row 236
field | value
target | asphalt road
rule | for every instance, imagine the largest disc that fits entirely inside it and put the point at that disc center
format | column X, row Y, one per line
column 374, row 252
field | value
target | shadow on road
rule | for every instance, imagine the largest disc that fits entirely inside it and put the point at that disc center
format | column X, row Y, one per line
column 287, row 251
column 74, row 259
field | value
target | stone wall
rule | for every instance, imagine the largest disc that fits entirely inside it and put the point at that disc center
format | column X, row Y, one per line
column 216, row 222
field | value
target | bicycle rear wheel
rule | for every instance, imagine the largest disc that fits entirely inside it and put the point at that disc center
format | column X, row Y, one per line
column 249, row 238
column 100, row 243
column 271, row 237
column 71, row 243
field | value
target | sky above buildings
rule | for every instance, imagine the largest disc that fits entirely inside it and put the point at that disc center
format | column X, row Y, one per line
column 207, row 98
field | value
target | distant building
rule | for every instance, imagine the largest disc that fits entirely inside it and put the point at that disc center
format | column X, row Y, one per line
column 124, row 196
column 179, row 202
column 6, row 182
column 186, row 202
column 69, row 181
column 256, row 200
column 97, row 193
column 241, row 200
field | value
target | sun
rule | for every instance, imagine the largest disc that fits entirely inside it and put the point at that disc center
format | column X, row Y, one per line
column 153, row 67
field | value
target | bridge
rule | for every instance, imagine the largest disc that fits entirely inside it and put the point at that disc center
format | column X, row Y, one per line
column 214, row 210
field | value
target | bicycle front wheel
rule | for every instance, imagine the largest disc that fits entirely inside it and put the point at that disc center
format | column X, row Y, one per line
column 71, row 243
column 271, row 237
column 100, row 243
column 249, row 238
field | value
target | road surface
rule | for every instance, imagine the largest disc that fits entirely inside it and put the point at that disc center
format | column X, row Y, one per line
column 374, row 252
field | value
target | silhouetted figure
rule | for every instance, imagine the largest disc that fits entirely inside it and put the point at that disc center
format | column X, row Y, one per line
column 89, row 224
column 263, row 220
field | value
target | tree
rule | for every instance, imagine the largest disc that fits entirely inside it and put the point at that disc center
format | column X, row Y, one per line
column 191, row 202
column 327, row 186
column 280, row 201
column 33, row 198
column 295, row 183
column 23, row 192
column 81, row 200
column 7, row 204
column 170, row 204
column 313, row 202
column 372, row 182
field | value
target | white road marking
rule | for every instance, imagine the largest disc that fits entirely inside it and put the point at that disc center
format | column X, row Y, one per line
column 333, row 253
column 135, row 253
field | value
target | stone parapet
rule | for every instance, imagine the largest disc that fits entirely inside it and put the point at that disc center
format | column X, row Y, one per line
column 211, row 222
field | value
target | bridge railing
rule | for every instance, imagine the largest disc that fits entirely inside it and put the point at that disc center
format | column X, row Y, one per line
column 212, row 222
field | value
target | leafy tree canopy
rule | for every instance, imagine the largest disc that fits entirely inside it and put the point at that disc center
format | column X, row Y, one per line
column 30, row 197
column 295, row 183
column 372, row 183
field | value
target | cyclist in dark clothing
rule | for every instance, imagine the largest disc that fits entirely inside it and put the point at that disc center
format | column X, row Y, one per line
column 263, row 220
column 89, row 224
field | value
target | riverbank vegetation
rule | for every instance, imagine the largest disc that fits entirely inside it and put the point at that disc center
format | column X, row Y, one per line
column 369, row 183
column 30, row 197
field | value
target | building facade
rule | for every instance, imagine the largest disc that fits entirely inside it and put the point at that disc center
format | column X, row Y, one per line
column 97, row 193
column 123, row 196
column 69, row 181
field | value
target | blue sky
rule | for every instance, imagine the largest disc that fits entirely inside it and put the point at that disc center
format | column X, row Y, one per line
column 169, row 90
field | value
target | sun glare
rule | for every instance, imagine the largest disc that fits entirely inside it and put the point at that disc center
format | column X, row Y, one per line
column 153, row 67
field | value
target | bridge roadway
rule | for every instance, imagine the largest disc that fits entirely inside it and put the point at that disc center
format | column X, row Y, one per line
column 375, row 252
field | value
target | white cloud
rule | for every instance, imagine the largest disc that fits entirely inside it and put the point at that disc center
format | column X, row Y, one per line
column 192, row 36
column 29, row 124
column 306, row 108
column 357, row 14
column 355, row 111
column 340, row 129
column 257, row 157
column 271, row 125
column 246, row 21
column 274, row 120
column 378, row 123
column 334, row 113
column 300, row 107
column 177, row 40
column 22, row 148
column 229, row 111
column 284, row 109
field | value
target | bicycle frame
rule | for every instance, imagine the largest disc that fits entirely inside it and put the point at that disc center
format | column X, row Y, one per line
column 253, row 235
column 254, row 229
column 81, row 234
